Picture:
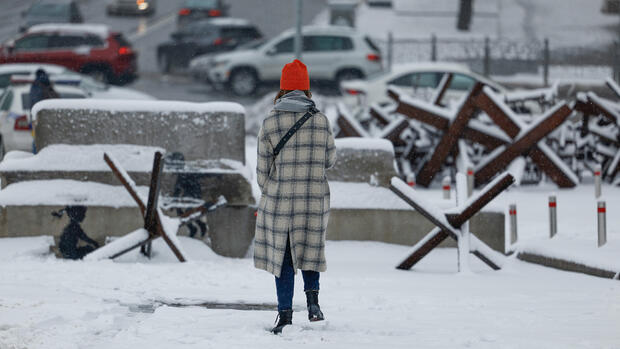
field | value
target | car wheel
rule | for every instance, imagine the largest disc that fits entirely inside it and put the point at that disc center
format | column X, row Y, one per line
column 243, row 82
column 348, row 74
column 163, row 61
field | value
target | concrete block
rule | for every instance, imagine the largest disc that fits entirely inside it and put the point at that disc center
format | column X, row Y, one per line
column 406, row 227
column 199, row 131
column 368, row 160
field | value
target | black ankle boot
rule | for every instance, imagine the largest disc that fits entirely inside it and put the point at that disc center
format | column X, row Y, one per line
column 314, row 310
column 285, row 317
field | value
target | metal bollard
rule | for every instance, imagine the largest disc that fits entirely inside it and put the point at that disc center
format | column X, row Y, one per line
column 445, row 185
column 512, row 211
column 470, row 181
column 597, row 181
column 602, row 224
column 411, row 180
column 553, row 216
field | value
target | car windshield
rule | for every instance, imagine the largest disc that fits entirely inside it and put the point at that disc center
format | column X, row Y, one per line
column 201, row 3
column 48, row 10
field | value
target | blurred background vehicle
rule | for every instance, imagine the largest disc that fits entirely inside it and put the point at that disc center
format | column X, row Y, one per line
column 131, row 7
column 204, row 36
column 417, row 79
column 51, row 11
column 334, row 53
column 10, row 73
column 86, row 48
column 15, row 117
column 194, row 10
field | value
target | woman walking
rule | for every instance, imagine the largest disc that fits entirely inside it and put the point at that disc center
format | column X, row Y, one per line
column 295, row 147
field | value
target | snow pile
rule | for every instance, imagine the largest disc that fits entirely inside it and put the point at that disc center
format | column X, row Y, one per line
column 358, row 143
column 60, row 192
column 63, row 157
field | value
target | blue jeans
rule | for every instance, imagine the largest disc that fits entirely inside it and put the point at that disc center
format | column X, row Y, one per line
column 285, row 284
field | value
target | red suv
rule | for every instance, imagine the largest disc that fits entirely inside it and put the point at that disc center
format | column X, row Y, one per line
column 88, row 49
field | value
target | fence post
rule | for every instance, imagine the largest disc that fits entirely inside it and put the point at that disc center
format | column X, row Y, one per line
column 597, row 181
column 553, row 216
column 512, row 210
column 433, row 48
column 602, row 224
column 411, row 180
column 470, row 181
column 487, row 56
column 546, row 62
column 390, row 51
column 445, row 185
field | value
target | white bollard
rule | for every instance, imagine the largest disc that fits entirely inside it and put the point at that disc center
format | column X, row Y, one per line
column 602, row 224
column 512, row 211
column 411, row 180
column 597, row 181
column 553, row 216
column 470, row 181
column 445, row 185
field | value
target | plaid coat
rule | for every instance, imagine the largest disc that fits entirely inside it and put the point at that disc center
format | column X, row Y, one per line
column 295, row 192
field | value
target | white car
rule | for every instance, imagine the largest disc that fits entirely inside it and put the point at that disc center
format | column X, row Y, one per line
column 94, row 88
column 15, row 120
column 331, row 53
column 418, row 79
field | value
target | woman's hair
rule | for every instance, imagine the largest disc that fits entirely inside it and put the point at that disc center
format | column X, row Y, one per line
column 283, row 92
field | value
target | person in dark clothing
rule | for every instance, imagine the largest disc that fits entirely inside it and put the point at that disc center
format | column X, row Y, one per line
column 73, row 233
column 41, row 88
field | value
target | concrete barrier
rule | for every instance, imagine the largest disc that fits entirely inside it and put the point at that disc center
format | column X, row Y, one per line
column 199, row 131
column 360, row 211
column 204, row 145
column 369, row 160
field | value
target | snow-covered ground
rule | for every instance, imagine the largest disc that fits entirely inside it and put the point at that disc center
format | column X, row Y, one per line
column 50, row 303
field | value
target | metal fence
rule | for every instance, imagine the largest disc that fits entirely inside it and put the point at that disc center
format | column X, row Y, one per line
column 501, row 56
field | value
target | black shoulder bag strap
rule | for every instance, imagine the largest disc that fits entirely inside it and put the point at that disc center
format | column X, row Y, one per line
column 293, row 129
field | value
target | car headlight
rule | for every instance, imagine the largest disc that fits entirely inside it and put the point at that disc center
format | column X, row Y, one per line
column 220, row 64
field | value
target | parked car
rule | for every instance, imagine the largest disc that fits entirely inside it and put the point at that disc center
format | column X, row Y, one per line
column 331, row 53
column 94, row 88
column 418, row 79
column 15, row 118
column 194, row 10
column 51, row 11
column 88, row 49
column 131, row 7
column 205, row 36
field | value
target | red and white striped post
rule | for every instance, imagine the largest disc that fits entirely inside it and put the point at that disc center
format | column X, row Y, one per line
column 411, row 180
column 512, row 211
column 470, row 181
column 445, row 186
column 597, row 181
column 602, row 223
column 553, row 216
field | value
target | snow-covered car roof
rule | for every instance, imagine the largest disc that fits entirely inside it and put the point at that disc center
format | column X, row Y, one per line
column 333, row 29
column 95, row 29
column 31, row 67
column 222, row 21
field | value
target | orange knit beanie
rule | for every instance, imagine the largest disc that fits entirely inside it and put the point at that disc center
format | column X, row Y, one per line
column 295, row 76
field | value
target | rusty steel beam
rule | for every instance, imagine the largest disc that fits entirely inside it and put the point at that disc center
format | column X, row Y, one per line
column 437, row 236
column 549, row 167
column 523, row 145
column 499, row 117
column 125, row 183
column 377, row 115
column 449, row 139
column 394, row 134
column 439, row 122
column 346, row 129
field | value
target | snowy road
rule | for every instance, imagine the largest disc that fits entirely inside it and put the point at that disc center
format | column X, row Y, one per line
column 272, row 17
column 49, row 303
